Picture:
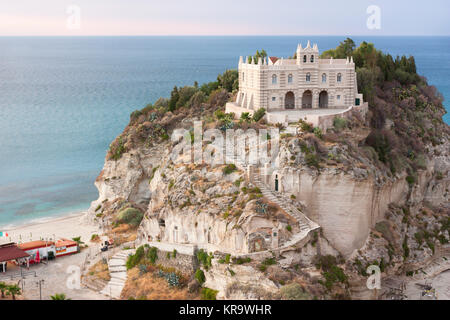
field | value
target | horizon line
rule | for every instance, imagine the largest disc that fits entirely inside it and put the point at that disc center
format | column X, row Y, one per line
column 234, row 35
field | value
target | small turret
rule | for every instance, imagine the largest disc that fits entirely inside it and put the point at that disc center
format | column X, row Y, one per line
column 241, row 60
column 308, row 55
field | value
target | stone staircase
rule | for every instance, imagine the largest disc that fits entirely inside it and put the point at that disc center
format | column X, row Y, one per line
column 305, row 224
column 434, row 268
column 118, row 271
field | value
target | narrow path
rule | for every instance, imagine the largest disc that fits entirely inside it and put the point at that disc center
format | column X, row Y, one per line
column 118, row 271
column 305, row 224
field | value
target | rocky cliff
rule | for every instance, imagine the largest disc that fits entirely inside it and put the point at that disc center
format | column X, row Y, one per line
column 378, row 186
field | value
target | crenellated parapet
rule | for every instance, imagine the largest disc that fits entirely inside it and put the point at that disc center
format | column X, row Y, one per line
column 304, row 82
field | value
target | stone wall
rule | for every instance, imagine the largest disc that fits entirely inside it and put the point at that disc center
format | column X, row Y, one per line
column 184, row 260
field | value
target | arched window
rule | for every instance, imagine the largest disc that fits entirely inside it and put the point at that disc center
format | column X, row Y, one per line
column 243, row 76
column 304, row 58
column 324, row 78
column 308, row 77
column 274, row 79
column 290, row 78
column 312, row 59
column 339, row 77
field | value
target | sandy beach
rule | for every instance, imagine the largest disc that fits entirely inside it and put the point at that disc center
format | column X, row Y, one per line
column 69, row 226
column 57, row 273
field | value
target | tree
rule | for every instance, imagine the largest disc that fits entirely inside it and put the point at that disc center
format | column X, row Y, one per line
column 197, row 99
column 78, row 240
column 228, row 79
column 209, row 87
column 59, row 296
column 3, row 287
column 174, row 96
column 184, row 95
column 259, row 54
column 344, row 50
column 13, row 291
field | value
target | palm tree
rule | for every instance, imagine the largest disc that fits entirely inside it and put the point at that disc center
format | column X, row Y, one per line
column 13, row 290
column 59, row 296
column 3, row 288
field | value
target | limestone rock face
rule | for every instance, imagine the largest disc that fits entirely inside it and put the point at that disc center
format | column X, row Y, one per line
column 127, row 178
column 246, row 283
column 205, row 207
column 347, row 204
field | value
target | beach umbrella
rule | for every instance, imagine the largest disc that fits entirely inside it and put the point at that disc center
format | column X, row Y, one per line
column 37, row 257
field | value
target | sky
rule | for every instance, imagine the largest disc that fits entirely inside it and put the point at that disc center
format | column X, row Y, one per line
column 224, row 17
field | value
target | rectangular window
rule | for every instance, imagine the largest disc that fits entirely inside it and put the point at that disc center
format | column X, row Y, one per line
column 274, row 99
column 339, row 97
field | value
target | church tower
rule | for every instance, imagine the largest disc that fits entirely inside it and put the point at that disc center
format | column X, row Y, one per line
column 308, row 55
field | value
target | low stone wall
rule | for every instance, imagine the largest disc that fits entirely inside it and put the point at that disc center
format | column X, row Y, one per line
column 325, row 122
column 184, row 260
column 236, row 109
column 321, row 121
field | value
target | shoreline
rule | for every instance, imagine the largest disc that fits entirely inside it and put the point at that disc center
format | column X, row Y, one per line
column 63, row 226
column 42, row 220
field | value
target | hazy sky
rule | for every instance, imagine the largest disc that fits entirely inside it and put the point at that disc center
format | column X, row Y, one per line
column 224, row 17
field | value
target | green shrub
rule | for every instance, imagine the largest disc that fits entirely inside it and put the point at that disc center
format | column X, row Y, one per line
column 318, row 133
column 339, row 123
column 245, row 116
column 208, row 294
column 241, row 260
column 117, row 149
column 229, row 168
column 259, row 114
column 294, row 291
column 134, row 259
column 152, row 254
column 405, row 248
column 305, row 126
column 200, row 276
column 411, row 180
column 262, row 267
column 269, row 261
column 312, row 160
column 130, row 216
column 204, row 258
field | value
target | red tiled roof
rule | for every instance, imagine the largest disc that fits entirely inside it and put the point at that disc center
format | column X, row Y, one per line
column 65, row 243
column 11, row 252
column 35, row 244
column 273, row 59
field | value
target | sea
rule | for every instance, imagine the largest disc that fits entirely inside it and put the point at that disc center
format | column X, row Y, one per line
column 64, row 99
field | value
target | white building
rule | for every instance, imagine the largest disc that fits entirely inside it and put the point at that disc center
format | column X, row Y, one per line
column 306, row 82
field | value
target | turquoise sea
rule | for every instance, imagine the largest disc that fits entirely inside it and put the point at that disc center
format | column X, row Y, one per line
column 64, row 99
